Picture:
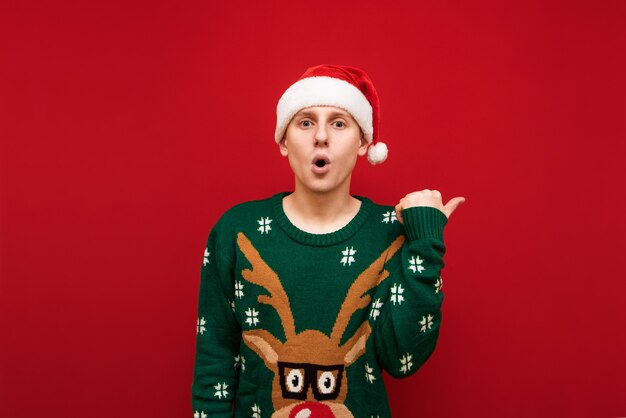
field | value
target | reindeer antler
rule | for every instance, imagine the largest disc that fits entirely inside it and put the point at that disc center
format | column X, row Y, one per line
column 356, row 299
column 262, row 275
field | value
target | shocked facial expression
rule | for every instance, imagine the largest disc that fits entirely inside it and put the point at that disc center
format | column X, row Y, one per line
column 322, row 144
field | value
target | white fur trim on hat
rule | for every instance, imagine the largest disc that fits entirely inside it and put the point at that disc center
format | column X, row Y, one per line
column 377, row 153
column 323, row 91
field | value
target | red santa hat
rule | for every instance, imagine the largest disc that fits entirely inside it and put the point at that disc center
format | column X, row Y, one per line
column 335, row 85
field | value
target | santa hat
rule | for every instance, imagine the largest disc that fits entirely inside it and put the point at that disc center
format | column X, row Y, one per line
column 335, row 85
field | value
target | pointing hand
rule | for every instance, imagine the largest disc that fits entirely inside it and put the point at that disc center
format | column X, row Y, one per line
column 430, row 198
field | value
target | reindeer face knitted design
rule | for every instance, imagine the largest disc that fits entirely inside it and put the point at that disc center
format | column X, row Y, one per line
column 310, row 359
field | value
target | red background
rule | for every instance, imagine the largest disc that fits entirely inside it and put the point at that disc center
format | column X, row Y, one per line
column 129, row 127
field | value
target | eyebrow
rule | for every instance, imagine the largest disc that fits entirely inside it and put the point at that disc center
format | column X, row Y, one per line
column 332, row 115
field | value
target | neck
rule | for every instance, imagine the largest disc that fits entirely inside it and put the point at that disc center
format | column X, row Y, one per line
column 321, row 210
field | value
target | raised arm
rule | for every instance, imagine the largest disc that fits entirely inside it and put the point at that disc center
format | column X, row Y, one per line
column 409, row 303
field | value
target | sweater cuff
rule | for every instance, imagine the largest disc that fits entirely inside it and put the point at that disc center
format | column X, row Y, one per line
column 424, row 222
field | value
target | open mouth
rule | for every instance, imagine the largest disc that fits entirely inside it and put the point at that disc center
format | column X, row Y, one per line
column 320, row 161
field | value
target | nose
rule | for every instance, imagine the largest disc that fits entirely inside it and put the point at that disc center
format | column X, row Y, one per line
column 311, row 410
column 321, row 135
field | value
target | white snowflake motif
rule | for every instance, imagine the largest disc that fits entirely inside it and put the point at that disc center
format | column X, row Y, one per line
column 200, row 414
column 438, row 284
column 264, row 227
column 348, row 254
column 238, row 289
column 415, row 264
column 252, row 317
column 375, row 311
column 406, row 363
column 232, row 305
column 240, row 361
column 396, row 294
column 369, row 376
column 220, row 390
column 426, row 322
column 256, row 411
column 205, row 260
column 389, row 217
column 200, row 326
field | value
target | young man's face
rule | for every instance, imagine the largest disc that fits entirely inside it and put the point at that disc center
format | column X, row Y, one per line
column 322, row 144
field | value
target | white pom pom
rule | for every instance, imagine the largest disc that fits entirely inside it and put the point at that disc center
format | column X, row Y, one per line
column 377, row 153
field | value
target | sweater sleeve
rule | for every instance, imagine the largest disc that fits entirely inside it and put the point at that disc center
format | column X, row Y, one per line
column 217, row 337
column 407, row 328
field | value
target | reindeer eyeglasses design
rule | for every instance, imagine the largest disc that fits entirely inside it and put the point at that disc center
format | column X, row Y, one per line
column 297, row 378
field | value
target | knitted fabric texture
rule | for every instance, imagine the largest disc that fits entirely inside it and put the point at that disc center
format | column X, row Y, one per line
column 298, row 324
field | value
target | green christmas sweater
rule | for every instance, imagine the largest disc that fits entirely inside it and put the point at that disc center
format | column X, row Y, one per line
column 294, row 324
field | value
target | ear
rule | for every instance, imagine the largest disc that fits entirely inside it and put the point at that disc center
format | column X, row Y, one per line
column 283, row 147
column 356, row 344
column 363, row 146
column 264, row 344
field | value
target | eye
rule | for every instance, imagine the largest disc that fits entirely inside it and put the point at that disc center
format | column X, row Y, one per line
column 341, row 124
column 306, row 123
column 326, row 383
column 295, row 381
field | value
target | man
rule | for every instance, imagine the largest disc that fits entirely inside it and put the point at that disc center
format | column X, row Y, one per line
column 306, row 296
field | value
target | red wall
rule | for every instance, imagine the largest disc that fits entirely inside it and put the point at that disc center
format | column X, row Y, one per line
column 128, row 127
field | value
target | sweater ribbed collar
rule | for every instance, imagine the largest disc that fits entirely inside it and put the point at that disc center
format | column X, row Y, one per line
column 320, row 240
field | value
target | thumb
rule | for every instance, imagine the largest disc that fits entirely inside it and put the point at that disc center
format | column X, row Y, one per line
column 452, row 205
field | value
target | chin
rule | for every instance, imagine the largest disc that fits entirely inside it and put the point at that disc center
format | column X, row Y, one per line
column 321, row 185
column 319, row 189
